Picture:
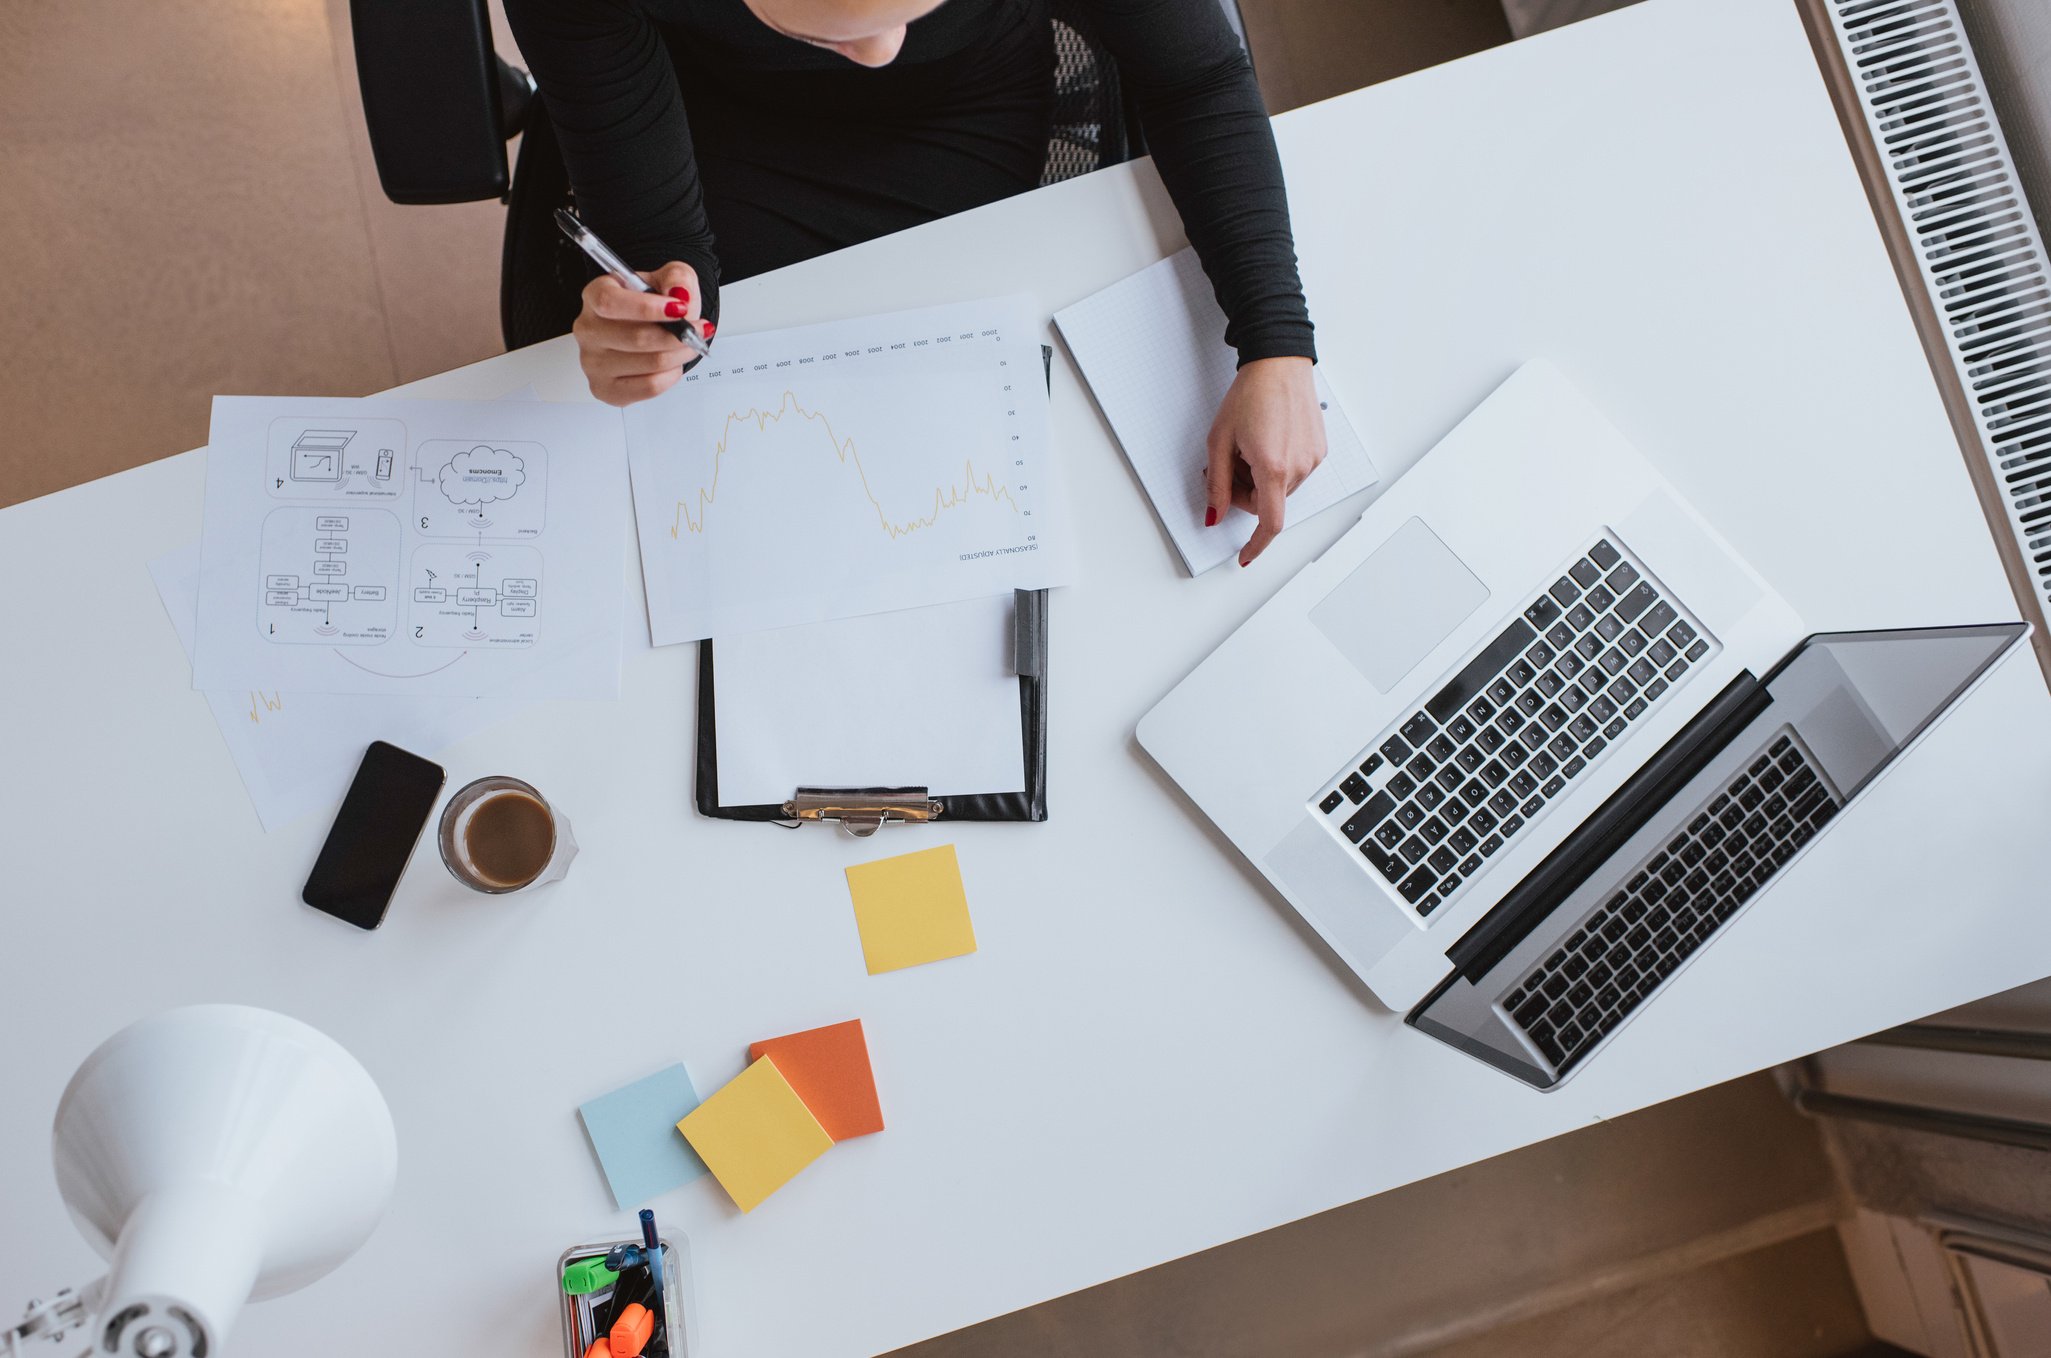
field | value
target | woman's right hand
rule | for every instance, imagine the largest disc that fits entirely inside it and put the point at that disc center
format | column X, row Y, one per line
column 626, row 353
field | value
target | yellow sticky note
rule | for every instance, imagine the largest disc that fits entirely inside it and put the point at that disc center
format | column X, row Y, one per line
column 755, row 1134
column 911, row 909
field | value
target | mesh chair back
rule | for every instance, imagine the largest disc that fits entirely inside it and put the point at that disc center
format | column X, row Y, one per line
column 1090, row 126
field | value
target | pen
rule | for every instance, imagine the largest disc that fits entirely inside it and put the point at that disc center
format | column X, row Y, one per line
column 602, row 255
column 652, row 1244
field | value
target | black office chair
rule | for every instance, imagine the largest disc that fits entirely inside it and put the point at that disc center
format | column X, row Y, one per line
column 441, row 105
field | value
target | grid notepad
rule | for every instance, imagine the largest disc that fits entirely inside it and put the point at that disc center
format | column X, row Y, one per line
column 1152, row 349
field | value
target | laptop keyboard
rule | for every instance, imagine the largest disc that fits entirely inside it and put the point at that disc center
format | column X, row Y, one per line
column 1672, row 904
column 1445, row 789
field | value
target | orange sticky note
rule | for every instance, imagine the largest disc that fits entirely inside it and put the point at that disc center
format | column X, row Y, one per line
column 911, row 909
column 829, row 1068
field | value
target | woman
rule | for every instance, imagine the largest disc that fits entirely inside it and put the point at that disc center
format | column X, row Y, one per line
column 787, row 128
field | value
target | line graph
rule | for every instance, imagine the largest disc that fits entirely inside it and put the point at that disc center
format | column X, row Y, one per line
column 948, row 495
column 861, row 466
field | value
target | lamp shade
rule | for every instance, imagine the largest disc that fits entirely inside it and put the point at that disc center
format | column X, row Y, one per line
column 214, row 1155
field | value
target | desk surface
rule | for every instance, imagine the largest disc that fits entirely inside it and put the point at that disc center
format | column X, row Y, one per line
column 1149, row 1055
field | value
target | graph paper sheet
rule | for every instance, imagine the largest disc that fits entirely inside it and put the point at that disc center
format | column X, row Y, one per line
column 1152, row 349
column 834, row 471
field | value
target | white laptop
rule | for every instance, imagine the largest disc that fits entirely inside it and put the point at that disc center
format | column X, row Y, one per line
column 1505, row 745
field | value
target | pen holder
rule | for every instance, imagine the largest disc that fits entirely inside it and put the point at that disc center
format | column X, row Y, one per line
column 579, row 1327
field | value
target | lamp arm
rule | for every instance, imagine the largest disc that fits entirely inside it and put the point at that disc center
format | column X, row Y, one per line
column 54, row 1319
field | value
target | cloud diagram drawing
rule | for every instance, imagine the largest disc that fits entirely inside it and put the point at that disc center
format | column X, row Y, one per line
column 481, row 475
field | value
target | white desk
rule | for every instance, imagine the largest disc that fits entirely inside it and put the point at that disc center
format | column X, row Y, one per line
column 1149, row 1055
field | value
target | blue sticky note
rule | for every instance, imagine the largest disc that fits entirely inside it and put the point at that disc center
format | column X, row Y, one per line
column 634, row 1131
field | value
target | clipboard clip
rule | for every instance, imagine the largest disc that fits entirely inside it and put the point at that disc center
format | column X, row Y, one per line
column 863, row 811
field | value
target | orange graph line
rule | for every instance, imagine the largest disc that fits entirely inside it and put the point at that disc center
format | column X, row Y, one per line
column 945, row 497
column 270, row 704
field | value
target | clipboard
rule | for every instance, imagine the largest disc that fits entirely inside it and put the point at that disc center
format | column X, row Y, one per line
column 864, row 810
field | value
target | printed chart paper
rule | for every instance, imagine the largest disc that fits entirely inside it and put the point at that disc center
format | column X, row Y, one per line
column 298, row 752
column 1153, row 350
column 797, row 476
column 410, row 546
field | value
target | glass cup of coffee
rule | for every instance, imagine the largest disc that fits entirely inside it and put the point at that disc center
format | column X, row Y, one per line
column 498, row 835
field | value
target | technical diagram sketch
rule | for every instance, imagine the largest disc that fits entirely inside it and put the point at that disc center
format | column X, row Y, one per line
column 411, row 547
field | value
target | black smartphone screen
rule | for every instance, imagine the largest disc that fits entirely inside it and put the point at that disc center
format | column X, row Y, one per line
column 373, row 835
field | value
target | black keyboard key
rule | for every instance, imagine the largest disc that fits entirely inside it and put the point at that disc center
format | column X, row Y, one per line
column 1582, row 728
column 1635, row 710
column 1383, row 863
column 1563, row 746
column 1595, row 747
column 1523, row 784
column 1449, row 777
column 1463, row 840
column 1483, row 820
column 1612, row 661
column 1658, row 618
column 1632, row 641
column 1543, row 765
column 1509, row 720
column 1554, row 717
column 1539, row 655
column 1560, row 634
column 1572, row 768
column 1588, row 647
column 1490, row 740
column 1601, row 710
column 1511, row 825
column 1355, row 787
column 1632, row 602
column 1641, row 672
column 1608, row 628
column 1401, row 786
column 1442, row 860
column 1581, row 617
column 1389, row 833
column 1414, row 849
column 1481, row 709
column 1460, row 729
column 1420, row 766
column 1574, row 699
column 1331, row 802
column 1564, row 591
column 1662, row 653
column 1367, row 817
column 1470, row 864
column 1469, row 758
column 1543, row 613
column 1520, row 673
column 1570, row 665
column 1531, row 808
column 1600, row 599
column 1529, row 701
column 1550, row 683
column 1552, row 786
column 1409, row 815
column 1490, row 845
column 1515, row 753
column 1417, row 885
column 1473, row 793
column 1395, row 750
column 1468, row 683
column 1428, row 904
column 1585, row 572
column 1418, row 729
column 1433, row 830
column 1605, row 555
column 1623, row 690
column 1697, row 650
column 1654, row 689
column 1429, row 796
column 1680, row 634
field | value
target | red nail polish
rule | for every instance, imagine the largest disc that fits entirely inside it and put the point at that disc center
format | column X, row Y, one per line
column 1242, row 561
column 1210, row 517
column 674, row 309
column 681, row 294
column 709, row 327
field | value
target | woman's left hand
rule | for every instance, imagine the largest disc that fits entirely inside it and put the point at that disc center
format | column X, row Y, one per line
column 1268, row 436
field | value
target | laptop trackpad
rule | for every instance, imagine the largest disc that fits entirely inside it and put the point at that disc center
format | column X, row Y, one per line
column 1398, row 604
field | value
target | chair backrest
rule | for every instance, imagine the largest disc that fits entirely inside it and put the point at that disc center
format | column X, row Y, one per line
column 1090, row 125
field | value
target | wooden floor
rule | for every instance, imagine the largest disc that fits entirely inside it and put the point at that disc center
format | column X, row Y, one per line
column 194, row 210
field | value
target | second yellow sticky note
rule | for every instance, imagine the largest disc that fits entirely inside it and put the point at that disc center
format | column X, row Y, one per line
column 755, row 1134
column 911, row 909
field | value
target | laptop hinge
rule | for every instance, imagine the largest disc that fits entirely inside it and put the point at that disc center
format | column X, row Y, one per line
column 1592, row 843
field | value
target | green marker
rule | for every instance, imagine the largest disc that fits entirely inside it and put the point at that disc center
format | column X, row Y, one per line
column 588, row 1275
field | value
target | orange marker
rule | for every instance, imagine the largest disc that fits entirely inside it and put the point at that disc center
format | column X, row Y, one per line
column 631, row 1332
column 600, row 1348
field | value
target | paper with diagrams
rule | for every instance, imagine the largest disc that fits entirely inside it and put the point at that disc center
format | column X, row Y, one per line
column 838, row 470
column 405, row 546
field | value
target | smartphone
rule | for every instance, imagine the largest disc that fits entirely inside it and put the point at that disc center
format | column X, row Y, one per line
column 373, row 835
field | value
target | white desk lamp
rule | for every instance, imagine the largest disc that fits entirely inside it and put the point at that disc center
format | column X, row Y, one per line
column 213, row 1155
